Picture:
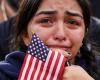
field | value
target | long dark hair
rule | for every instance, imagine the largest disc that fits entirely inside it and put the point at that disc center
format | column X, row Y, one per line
column 28, row 10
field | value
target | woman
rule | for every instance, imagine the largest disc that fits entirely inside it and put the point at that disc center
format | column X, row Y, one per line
column 61, row 25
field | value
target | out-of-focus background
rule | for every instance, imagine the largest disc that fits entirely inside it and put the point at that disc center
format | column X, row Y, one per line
column 96, row 8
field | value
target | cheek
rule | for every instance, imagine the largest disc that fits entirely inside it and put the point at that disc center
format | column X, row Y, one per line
column 43, row 33
column 77, row 38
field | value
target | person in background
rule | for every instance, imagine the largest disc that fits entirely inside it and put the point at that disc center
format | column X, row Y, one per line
column 1, row 16
column 93, row 37
column 95, row 4
column 8, row 8
column 6, row 27
column 60, row 24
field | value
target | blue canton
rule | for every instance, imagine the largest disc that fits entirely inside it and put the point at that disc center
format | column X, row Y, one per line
column 37, row 48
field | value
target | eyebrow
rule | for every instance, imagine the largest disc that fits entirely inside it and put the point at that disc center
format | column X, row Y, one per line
column 46, row 13
column 73, row 14
column 55, row 12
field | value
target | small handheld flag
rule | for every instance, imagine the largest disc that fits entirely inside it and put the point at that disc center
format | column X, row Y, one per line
column 41, row 63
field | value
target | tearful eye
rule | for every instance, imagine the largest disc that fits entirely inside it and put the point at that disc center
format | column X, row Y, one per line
column 46, row 22
column 73, row 22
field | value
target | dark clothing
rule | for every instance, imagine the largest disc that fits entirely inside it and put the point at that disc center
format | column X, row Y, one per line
column 96, row 7
column 10, row 68
column 94, row 35
column 94, row 29
column 5, row 32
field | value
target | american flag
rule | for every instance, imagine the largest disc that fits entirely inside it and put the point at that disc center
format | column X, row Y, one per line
column 41, row 63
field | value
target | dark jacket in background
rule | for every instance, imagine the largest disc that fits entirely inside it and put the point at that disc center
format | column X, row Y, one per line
column 94, row 35
column 10, row 68
column 96, row 8
column 5, row 32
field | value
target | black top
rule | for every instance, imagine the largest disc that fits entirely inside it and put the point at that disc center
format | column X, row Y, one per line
column 5, row 32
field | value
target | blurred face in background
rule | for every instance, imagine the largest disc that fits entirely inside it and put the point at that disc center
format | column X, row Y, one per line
column 60, row 24
column 8, row 9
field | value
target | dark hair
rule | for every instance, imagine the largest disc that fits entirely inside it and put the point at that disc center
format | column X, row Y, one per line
column 28, row 10
column 14, row 4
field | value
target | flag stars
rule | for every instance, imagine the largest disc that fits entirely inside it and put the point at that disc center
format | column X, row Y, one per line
column 35, row 43
column 35, row 52
column 44, row 60
column 39, row 42
column 35, row 55
column 37, row 38
column 41, row 52
column 45, row 54
column 39, row 45
column 34, row 48
column 41, row 49
column 38, row 49
column 32, row 41
column 42, row 44
column 32, row 53
column 30, row 46
column 31, row 50
column 44, row 51
column 38, row 54
column 28, row 51
column 40, row 58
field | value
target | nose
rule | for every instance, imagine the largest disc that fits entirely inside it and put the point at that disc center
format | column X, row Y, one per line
column 60, row 32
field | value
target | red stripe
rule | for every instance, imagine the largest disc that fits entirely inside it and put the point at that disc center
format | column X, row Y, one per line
column 61, row 69
column 22, row 68
column 29, row 66
column 49, row 64
column 41, row 70
column 35, row 68
column 55, row 66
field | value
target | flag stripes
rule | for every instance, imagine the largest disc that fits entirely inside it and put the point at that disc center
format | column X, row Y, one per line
column 35, row 69
column 31, row 69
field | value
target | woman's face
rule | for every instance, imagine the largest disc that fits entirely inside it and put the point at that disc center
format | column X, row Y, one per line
column 60, row 24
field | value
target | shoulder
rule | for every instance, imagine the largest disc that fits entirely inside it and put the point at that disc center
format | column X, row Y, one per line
column 6, row 29
column 10, row 67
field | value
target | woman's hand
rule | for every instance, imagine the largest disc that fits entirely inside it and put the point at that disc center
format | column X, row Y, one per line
column 75, row 73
